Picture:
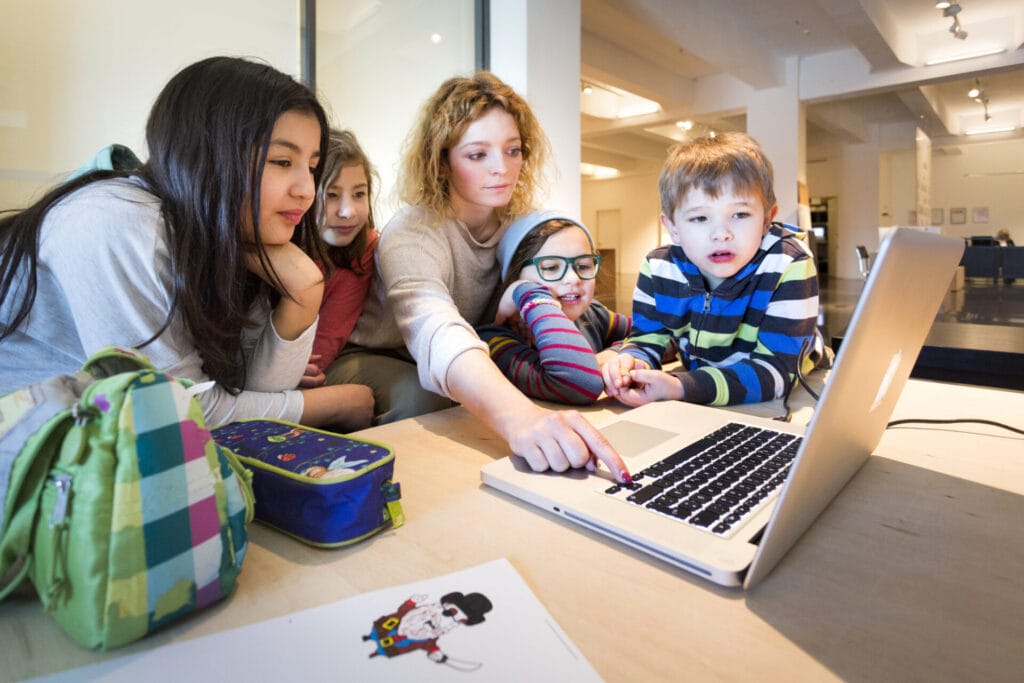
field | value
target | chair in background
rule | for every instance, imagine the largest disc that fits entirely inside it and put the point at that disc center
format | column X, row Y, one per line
column 863, row 261
column 1013, row 263
column 982, row 262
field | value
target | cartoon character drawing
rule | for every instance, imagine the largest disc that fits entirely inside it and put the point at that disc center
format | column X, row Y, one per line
column 417, row 625
column 336, row 468
column 290, row 434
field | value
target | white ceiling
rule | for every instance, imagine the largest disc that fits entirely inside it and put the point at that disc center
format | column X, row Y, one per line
column 861, row 66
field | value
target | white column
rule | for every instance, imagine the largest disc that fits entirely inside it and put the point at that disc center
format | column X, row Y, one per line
column 859, row 171
column 535, row 48
column 777, row 120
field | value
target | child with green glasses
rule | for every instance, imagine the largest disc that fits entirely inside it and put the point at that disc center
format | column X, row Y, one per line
column 548, row 331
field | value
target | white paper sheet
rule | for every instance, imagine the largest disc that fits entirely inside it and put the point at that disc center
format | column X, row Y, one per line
column 515, row 640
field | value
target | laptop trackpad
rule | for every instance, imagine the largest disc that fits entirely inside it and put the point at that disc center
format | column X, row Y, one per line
column 633, row 438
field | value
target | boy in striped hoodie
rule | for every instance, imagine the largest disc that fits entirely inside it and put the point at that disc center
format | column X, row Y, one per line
column 736, row 292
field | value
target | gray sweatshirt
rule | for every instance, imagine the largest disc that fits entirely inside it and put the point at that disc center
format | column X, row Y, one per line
column 104, row 278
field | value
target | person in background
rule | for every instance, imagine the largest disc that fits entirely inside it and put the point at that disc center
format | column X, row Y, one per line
column 1004, row 240
column 549, row 334
column 196, row 257
column 471, row 165
column 737, row 292
column 344, row 211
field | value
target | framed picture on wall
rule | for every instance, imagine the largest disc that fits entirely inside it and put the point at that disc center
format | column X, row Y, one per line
column 958, row 215
column 979, row 214
column 937, row 216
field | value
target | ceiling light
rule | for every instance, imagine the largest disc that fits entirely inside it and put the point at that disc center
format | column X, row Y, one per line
column 598, row 172
column 969, row 55
column 976, row 90
column 942, row 4
column 984, row 131
column 587, row 88
column 685, row 125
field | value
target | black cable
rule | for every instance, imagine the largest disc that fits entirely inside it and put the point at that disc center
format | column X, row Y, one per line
column 992, row 423
column 805, row 348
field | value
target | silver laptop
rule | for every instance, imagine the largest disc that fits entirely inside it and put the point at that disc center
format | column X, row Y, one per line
column 731, row 523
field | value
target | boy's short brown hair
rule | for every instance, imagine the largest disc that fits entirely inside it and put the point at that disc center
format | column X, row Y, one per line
column 706, row 162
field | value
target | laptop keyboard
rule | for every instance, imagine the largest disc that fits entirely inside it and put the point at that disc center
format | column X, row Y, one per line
column 715, row 483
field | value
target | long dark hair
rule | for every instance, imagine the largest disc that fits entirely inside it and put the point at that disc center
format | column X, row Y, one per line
column 208, row 134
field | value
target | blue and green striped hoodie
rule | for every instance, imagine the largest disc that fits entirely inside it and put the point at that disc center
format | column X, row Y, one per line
column 740, row 342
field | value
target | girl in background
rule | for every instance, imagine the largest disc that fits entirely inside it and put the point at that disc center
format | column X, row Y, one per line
column 471, row 165
column 196, row 257
column 549, row 333
column 344, row 210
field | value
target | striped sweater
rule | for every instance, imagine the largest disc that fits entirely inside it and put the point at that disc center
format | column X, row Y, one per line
column 740, row 342
column 560, row 365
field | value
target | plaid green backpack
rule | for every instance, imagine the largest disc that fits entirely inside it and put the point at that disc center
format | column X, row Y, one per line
column 116, row 503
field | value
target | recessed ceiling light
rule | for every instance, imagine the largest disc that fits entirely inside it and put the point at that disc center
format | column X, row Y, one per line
column 969, row 55
column 984, row 131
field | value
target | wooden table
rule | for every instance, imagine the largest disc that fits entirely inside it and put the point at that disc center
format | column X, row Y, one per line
column 916, row 570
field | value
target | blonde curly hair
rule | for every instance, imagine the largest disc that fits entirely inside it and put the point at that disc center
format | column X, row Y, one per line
column 443, row 121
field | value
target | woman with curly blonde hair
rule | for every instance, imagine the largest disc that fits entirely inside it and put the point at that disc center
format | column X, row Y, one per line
column 472, row 163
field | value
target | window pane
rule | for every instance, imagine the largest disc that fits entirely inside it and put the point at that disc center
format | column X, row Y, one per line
column 378, row 61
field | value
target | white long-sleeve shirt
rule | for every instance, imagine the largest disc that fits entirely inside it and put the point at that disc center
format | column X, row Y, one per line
column 104, row 278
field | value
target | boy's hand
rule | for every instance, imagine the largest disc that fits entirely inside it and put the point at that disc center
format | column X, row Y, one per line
column 616, row 372
column 650, row 385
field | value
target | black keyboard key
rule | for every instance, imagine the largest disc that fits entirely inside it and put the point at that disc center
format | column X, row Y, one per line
column 645, row 494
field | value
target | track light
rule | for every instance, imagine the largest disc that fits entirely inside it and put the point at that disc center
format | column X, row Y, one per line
column 952, row 9
column 977, row 93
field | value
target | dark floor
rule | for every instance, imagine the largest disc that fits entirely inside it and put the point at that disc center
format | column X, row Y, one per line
column 980, row 302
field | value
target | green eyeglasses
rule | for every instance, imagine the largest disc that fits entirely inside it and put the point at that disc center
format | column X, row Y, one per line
column 553, row 268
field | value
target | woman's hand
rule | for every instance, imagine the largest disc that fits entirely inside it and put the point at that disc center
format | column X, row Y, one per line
column 547, row 439
column 562, row 440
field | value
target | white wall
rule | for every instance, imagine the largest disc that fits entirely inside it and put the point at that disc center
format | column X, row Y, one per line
column 977, row 175
column 851, row 174
column 535, row 48
column 982, row 175
column 637, row 199
column 78, row 75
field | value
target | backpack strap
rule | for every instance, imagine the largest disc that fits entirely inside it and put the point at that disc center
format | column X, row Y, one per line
column 113, row 360
column 34, row 420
